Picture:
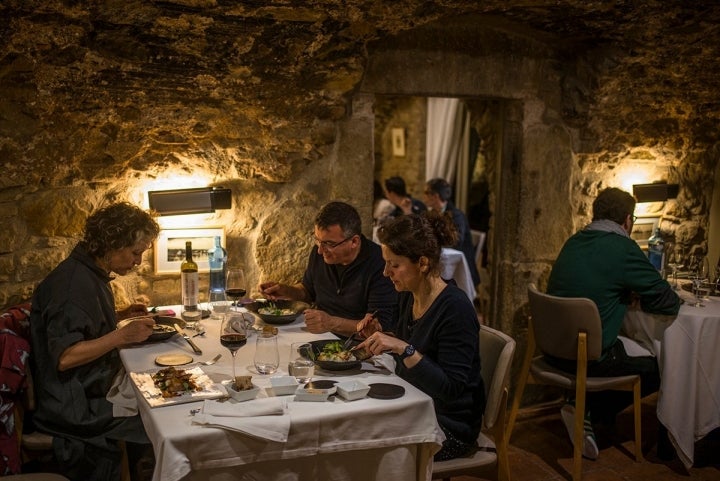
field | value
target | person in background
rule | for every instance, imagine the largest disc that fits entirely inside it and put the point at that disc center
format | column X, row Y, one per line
column 343, row 278
column 437, row 197
column 601, row 262
column 436, row 342
column 396, row 193
column 382, row 207
column 75, row 343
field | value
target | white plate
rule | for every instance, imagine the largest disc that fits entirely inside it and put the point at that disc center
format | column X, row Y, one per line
column 153, row 395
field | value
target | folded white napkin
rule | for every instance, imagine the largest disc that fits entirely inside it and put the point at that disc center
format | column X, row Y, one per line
column 122, row 395
column 265, row 418
column 384, row 360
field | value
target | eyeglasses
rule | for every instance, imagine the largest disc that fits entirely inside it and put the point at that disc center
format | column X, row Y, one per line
column 329, row 245
column 634, row 218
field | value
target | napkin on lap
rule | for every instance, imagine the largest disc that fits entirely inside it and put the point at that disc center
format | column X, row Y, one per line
column 122, row 395
column 264, row 418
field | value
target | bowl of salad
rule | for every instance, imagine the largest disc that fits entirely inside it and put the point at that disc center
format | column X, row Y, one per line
column 281, row 311
column 330, row 355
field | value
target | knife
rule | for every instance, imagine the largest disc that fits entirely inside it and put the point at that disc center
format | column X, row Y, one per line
column 187, row 338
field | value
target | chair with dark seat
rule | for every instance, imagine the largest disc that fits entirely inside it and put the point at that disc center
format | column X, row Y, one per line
column 496, row 352
column 569, row 328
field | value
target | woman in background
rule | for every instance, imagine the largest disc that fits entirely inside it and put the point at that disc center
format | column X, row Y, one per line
column 436, row 343
column 75, row 343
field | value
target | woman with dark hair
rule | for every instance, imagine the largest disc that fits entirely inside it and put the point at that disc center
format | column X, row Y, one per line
column 75, row 343
column 435, row 344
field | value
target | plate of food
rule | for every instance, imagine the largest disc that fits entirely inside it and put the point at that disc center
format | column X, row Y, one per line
column 163, row 328
column 170, row 385
column 281, row 311
column 330, row 355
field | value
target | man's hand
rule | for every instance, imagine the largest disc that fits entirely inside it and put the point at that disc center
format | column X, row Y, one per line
column 318, row 321
column 133, row 310
column 137, row 330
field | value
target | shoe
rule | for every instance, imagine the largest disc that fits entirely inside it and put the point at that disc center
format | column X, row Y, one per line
column 589, row 448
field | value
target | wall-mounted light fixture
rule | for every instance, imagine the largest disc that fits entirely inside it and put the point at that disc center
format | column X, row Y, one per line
column 189, row 201
column 655, row 192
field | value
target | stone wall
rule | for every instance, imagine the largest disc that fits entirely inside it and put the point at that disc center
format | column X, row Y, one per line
column 102, row 101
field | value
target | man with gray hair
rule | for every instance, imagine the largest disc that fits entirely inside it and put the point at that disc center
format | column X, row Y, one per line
column 344, row 277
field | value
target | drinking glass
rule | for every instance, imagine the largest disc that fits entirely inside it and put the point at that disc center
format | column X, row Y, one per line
column 235, row 285
column 267, row 357
column 218, row 303
column 301, row 363
column 676, row 259
column 700, row 270
column 233, row 335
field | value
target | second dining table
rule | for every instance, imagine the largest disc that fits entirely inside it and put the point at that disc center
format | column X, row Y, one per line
column 364, row 439
column 686, row 347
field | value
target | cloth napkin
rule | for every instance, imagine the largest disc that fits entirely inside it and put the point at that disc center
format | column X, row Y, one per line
column 265, row 418
column 122, row 395
column 384, row 360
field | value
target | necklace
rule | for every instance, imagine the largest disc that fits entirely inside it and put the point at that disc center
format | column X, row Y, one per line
column 423, row 301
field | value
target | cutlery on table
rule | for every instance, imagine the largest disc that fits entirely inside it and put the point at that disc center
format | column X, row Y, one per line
column 187, row 338
column 349, row 340
column 211, row 361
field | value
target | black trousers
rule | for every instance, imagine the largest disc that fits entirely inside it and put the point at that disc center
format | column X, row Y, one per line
column 605, row 405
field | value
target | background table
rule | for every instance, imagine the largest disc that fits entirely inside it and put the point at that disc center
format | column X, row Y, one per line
column 453, row 265
column 689, row 359
column 336, row 440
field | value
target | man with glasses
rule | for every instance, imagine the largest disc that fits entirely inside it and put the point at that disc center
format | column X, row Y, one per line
column 601, row 262
column 344, row 277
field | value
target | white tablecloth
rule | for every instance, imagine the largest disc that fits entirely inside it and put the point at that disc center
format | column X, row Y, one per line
column 689, row 359
column 336, row 440
column 453, row 265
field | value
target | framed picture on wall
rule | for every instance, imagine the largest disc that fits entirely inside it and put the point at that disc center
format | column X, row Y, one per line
column 398, row 142
column 170, row 248
column 643, row 229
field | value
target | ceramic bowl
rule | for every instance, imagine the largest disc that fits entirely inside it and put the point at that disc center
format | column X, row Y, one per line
column 352, row 390
column 316, row 395
column 283, row 385
column 245, row 395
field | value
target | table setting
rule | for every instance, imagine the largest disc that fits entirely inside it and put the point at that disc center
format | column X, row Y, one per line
column 321, row 421
column 686, row 349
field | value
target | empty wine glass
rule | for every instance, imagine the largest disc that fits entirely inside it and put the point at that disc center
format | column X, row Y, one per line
column 233, row 335
column 235, row 285
column 676, row 259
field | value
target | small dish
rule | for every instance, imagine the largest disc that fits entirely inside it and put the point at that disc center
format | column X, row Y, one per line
column 352, row 390
column 283, row 385
column 245, row 395
column 313, row 395
column 173, row 360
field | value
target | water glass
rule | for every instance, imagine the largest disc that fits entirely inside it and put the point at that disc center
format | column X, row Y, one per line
column 218, row 303
column 301, row 363
column 267, row 358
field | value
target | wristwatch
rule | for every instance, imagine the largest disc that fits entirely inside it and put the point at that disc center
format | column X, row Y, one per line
column 409, row 351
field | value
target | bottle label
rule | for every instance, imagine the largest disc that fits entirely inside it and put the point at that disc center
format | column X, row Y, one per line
column 190, row 289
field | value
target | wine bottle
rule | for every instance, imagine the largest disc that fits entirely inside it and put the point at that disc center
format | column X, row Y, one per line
column 189, row 281
column 217, row 258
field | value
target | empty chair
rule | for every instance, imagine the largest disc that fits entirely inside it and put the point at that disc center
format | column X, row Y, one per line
column 569, row 328
column 496, row 353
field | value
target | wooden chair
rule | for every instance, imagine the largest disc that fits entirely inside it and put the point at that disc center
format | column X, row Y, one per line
column 569, row 328
column 496, row 351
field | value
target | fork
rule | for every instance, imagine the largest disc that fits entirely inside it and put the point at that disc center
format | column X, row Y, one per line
column 211, row 361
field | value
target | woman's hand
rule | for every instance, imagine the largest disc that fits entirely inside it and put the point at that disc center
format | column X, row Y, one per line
column 379, row 343
column 137, row 330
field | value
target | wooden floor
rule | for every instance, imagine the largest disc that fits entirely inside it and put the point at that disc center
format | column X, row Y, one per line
column 540, row 450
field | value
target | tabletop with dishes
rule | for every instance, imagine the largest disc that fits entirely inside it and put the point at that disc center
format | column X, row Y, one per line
column 276, row 394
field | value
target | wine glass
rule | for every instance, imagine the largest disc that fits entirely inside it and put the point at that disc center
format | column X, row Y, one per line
column 700, row 268
column 233, row 335
column 676, row 259
column 235, row 286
